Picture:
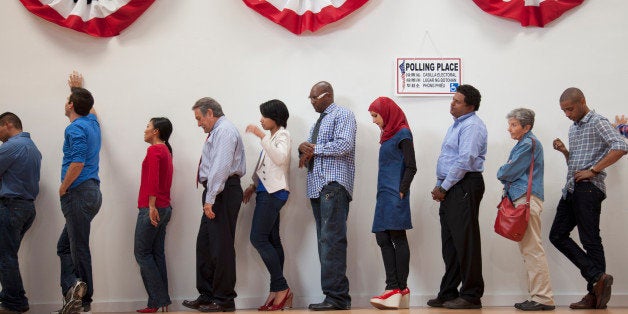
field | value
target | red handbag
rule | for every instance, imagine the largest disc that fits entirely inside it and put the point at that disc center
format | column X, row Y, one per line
column 512, row 222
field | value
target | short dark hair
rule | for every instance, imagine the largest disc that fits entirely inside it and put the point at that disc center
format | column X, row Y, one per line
column 471, row 94
column 208, row 103
column 164, row 126
column 82, row 100
column 572, row 94
column 10, row 117
column 275, row 110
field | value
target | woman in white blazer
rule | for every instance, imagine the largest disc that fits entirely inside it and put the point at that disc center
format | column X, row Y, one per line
column 270, row 182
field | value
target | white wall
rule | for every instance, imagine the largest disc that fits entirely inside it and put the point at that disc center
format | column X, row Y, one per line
column 179, row 51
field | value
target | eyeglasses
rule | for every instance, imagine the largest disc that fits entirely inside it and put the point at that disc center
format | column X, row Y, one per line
column 318, row 97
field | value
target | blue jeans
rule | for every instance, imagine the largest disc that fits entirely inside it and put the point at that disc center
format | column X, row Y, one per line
column 265, row 237
column 149, row 254
column 79, row 206
column 330, row 212
column 581, row 209
column 16, row 216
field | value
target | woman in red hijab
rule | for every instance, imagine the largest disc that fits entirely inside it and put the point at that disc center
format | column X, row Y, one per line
column 397, row 167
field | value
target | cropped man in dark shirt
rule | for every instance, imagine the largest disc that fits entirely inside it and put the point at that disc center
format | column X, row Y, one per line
column 20, row 162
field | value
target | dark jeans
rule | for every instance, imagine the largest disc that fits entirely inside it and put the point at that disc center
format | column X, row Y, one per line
column 215, row 253
column 396, row 255
column 79, row 206
column 150, row 255
column 16, row 216
column 330, row 210
column 265, row 237
column 460, row 236
column 581, row 209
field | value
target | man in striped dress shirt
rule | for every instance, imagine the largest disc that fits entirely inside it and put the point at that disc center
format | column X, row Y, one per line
column 222, row 165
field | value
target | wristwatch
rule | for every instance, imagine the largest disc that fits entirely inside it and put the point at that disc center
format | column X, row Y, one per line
column 594, row 171
column 440, row 188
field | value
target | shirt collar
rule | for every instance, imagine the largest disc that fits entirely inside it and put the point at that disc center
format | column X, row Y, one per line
column 525, row 136
column 21, row 134
column 331, row 108
column 585, row 119
column 218, row 122
column 463, row 117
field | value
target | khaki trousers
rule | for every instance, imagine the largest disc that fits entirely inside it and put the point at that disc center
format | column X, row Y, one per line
column 531, row 248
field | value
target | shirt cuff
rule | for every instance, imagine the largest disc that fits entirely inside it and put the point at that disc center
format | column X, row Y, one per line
column 210, row 199
column 446, row 185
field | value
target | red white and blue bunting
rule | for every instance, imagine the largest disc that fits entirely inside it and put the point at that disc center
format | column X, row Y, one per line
column 528, row 12
column 104, row 18
column 300, row 15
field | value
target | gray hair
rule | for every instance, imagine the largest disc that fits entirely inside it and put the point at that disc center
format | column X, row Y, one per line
column 523, row 115
column 208, row 103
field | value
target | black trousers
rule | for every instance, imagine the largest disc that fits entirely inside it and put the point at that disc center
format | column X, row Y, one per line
column 396, row 256
column 460, row 236
column 215, row 253
column 581, row 209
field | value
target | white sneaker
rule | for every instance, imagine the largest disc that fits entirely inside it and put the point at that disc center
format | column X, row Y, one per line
column 73, row 303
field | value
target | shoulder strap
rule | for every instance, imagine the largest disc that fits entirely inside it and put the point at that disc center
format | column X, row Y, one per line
column 531, row 172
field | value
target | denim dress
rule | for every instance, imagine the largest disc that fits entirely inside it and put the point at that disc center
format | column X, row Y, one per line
column 391, row 212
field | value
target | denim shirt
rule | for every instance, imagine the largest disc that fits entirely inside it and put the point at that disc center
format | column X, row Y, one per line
column 514, row 174
column 20, row 163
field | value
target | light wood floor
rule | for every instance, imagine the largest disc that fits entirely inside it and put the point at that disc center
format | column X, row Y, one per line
column 426, row 310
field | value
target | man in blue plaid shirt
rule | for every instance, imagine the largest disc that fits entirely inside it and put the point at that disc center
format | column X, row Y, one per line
column 329, row 156
column 594, row 145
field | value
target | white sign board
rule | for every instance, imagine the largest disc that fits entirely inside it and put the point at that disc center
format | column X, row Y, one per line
column 428, row 76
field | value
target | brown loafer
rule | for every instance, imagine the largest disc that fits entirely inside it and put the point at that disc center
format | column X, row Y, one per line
column 588, row 302
column 602, row 291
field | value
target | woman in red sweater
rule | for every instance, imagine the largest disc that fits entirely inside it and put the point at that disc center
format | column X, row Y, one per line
column 154, row 213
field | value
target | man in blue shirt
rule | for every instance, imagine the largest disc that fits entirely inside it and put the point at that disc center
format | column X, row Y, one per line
column 459, row 189
column 222, row 165
column 20, row 162
column 594, row 145
column 329, row 155
column 80, row 197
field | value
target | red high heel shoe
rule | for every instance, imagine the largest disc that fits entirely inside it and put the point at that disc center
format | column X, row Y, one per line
column 266, row 305
column 285, row 303
column 153, row 309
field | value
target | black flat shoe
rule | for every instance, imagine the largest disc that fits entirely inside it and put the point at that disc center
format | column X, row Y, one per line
column 461, row 304
column 215, row 307
column 324, row 306
column 195, row 304
column 535, row 306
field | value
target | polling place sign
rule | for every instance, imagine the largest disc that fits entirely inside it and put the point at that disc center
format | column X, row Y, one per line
column 428, row 76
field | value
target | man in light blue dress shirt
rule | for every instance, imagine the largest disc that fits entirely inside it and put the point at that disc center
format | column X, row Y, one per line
column 459, row 189
column 221, row 166
column 329, row 156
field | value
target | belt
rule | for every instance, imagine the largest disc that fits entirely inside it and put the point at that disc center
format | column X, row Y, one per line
column 14, row 199
column 235, row 176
